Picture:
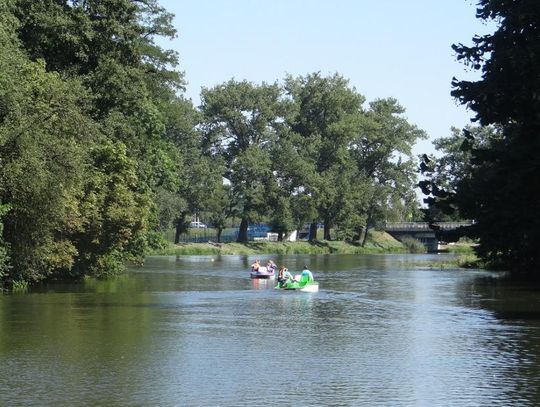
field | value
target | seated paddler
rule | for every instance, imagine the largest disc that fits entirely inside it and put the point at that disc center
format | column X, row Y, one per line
column 306, row 276
column 284, row 276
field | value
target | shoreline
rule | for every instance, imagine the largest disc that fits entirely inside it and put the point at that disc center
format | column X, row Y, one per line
column 325, row 247
column 377, row 242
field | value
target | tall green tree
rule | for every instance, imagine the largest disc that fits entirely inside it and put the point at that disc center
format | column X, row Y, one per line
column 324, row 113
column 196, row 176
column 85, row 92
column 44, row 139
column 500, row 193
column 386, row 168
column 109, row 45
column 116, row 214
column 239, row 127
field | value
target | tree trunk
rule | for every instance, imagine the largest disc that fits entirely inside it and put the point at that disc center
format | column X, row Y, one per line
column 313, row 231
column 219, row 231
column 366, row 229
column 178, row 231
column 242, row 233
column 280, row 236
column 181, row 226
column 369, row 220
column 326, row 230
column 365, row 235
column 358, row 237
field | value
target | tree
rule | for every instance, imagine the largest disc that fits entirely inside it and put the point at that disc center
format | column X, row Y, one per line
column 382, row 153
column 109, row 46
column 116, row 214
column 195, row 176
column 282, row 219
column 74, row 36
column 84, row 90
column 500, row 193
column 44, row 139
column 324, row 113
column 239, row 128
column 444, row 173
column 219, row 207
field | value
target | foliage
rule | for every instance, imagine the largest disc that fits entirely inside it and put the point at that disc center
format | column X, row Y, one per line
column 499, row 187
column 115, row 214
column 443, row 174
column 20, row 287
column 282, row 220
column 324, row 114
column 239, row 128
column 86, row 141
column 100, row 153
column 42, row 149
column 384, row 165
column 413, row 245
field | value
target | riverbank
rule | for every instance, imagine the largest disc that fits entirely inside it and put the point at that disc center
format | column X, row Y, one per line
column 377, row 242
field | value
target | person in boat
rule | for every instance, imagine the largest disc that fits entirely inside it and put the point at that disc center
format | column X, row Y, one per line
column 271, row 266
column 255, row 266
column 306, row 276
column 284, row 276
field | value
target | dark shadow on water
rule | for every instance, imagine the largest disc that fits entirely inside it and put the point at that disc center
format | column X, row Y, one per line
column 525, row 315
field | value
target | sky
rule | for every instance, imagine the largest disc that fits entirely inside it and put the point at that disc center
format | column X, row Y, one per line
column 385, row 48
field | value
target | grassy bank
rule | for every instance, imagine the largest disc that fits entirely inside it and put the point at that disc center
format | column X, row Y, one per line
column 466, row 258
column 378, row 242
column 465, row 261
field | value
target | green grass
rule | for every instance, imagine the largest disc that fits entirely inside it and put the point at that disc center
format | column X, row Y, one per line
column 20, row 286
column 378, row 242
column 413, row 245
column 461, row 248
column 464, row 261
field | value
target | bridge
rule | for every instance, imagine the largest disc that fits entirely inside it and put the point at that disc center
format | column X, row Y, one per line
column 422, row 231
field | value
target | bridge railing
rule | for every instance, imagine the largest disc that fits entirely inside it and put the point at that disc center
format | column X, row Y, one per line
column 419, row 226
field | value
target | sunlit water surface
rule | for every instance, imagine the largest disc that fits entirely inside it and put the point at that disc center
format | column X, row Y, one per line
column 197, row 331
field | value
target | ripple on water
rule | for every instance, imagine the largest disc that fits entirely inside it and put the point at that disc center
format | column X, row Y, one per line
column 197, row 331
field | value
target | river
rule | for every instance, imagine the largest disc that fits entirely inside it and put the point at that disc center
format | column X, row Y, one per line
column 384, row 330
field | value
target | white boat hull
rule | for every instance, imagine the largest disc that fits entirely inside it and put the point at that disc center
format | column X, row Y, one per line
column 310, row 288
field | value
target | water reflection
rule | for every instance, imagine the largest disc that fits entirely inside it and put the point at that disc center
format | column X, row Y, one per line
column 263, row 283
column 198, row 331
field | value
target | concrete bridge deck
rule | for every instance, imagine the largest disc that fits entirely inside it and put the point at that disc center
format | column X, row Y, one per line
column 421, row 231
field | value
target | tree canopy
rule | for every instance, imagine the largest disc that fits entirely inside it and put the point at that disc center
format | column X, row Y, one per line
column 498, row 186
column 240, row 119
column 101, row 154
column 83, row 140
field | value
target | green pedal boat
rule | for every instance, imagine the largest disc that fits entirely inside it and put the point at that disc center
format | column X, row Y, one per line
column 301, row 282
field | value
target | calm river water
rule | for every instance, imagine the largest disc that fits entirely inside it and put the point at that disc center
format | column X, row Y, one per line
column 197, row 331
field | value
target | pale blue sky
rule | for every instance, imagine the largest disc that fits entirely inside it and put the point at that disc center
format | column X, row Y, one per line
column 386, row 48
